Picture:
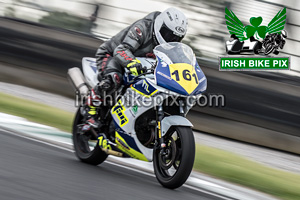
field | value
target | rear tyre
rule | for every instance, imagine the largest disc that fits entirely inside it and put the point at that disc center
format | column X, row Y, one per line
column 86, row 147
column 173, row 169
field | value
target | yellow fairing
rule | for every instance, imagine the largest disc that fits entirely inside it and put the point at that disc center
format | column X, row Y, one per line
column 122, row 145
column 185, row 75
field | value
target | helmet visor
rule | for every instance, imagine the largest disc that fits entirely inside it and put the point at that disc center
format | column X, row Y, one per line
column 168, row 35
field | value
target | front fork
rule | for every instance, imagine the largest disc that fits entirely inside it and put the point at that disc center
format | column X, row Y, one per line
column 159, row 117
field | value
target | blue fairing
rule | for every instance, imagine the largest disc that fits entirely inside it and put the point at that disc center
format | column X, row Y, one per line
column 129, row 140
column 144, row 87
column 93, row 65
column 163, row 79
column 202, row 81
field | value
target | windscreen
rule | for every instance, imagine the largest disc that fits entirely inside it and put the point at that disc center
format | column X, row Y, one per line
column 177, row 52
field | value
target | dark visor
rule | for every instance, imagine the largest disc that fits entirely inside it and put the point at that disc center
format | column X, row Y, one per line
column 168, row 34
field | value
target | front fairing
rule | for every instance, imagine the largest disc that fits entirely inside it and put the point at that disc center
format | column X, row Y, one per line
column 177, row 70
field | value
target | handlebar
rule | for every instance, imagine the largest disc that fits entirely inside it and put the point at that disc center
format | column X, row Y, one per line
column 145, row 70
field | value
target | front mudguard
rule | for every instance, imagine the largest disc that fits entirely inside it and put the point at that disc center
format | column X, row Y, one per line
column 174, row 120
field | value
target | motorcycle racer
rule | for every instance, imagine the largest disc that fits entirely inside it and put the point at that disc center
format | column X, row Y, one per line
column 120, row 52
column 275, row 41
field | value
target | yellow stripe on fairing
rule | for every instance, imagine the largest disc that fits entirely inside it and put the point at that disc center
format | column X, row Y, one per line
column 144, row 93
column 130, row 151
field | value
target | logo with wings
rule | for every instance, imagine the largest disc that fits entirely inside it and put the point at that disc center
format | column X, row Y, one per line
column 254, row 38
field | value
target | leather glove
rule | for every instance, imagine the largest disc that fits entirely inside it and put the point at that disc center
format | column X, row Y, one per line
column 135, row 67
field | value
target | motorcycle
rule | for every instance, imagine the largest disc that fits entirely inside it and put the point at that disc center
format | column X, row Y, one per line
column 272, row 43
column 141, row 124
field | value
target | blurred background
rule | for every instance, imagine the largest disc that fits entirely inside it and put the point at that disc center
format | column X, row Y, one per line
column 40, row 40
column 207, row 30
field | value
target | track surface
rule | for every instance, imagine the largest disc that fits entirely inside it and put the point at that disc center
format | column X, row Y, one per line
column 32, row 170
column 277, row 159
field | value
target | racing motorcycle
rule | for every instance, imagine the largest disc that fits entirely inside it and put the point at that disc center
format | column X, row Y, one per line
column 148, row 119
column 273, row 42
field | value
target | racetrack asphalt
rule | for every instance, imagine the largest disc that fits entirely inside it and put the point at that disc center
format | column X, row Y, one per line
column 275, row 158
column 35, row 171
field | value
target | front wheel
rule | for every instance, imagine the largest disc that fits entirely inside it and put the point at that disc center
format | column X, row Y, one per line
column 269, row 48
column 173, row 169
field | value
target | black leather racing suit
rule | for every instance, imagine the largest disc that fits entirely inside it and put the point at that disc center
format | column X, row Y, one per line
column 114, row 55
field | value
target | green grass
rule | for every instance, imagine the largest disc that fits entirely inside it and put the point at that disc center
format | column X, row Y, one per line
column 36, row 112
column 221, row 164
column 236, row 169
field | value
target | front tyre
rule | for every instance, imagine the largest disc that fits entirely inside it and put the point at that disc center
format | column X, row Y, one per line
column 173, row 169
column 85, row 145
column 269, row 48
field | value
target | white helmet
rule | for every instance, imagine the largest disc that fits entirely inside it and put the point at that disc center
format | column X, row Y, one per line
column 284, row 33
column 170, row 26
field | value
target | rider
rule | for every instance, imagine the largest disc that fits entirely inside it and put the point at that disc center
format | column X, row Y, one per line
column 278, row 38
column 139, row 39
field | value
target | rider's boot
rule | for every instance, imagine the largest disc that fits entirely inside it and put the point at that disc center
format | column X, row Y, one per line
column 94, row 101
column 90, row 109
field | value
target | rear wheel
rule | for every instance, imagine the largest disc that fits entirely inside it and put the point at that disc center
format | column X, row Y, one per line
column 85, row 145
column 173, row 169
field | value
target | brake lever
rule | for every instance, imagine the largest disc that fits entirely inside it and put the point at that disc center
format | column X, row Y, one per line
column 144, row 69
column 138, row 76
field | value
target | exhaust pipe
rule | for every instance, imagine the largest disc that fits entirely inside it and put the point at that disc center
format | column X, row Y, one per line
column 78, row 81
column 112, row 152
